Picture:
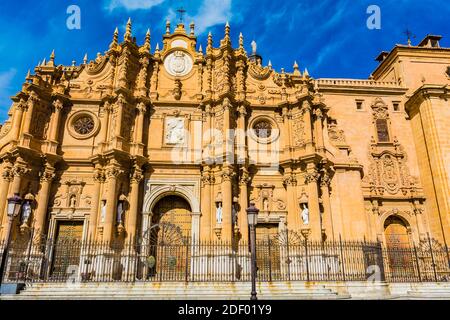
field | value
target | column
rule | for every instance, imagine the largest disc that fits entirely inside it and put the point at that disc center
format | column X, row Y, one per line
column 306, row 108
column 7, row 177
column 104, row 122
column 99, row 178
column 312, row 177
column 18, row 115
column 112, row 174
column 318, row 129
column 118, row 124
column 42, row 201
column 18, row 171
column 293, row 215
column 227, row 198
column 205, row 226
column 139, row 122
column 54, row 129
column 131, row 222
column 286, row 134
column 226, row 130
column 29, row 114
column 327, row 217
column 243, row 204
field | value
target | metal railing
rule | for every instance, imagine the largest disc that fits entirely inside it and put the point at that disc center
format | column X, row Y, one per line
column 84, row 261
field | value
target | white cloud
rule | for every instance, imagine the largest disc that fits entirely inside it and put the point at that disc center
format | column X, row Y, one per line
column 211, row 13
column 6, row 91
column 132, row 4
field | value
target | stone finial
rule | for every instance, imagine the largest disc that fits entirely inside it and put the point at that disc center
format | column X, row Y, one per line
column 44, row 62
column 115, row 39
column 227, row 29
column 210, row 40
column 254, row 47
column 147, row 40
column 52, row 58
column 85, row 59
column 157, row 48
column 167, row 27
column 270, row 64
column 241, row 41
column 296, row 70
column 200, row 49
column 192, row 27
column 128, row 36
column 306, row 73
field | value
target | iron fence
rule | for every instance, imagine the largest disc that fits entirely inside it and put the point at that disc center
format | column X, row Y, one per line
column 190, row 261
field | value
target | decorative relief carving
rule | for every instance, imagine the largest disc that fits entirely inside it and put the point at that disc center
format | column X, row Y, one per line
column 298, row 127
column 336, row 135
column 388, row 173
column 178, row 63
column 94, row 67
column 312, row 176
column 174, row 130
column 290, row 180
column 72, row 197
column 259, row 72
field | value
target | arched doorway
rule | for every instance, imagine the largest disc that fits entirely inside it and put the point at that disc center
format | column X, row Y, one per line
column 174, row 210
column 167, row 239
column 398, row 246
column 396, row 232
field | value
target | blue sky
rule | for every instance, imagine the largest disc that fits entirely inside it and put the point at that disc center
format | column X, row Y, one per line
column 329, row 37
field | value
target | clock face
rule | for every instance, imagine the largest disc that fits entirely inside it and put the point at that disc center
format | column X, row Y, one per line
column 178, row 63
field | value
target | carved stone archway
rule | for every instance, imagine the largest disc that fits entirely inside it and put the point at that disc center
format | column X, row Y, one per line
column 156, row 190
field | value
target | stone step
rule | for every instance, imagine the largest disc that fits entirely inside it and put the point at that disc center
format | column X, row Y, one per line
column 174, row 290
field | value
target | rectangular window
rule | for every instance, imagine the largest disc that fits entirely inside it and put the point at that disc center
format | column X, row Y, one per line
column 382, row 130
column 396, row 106
column 359, row 104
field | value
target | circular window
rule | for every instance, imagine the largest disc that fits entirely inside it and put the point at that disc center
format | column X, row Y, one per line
column 263, row 129
column 84, row 124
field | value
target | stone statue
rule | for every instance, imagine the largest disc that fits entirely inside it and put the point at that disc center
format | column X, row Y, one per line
column 103, row 212
column 254, row 46
column 305, row 214
column 266, row 204
column 73, row 201
column 219, row 213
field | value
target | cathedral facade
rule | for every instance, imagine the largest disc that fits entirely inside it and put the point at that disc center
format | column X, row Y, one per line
column 115, row 146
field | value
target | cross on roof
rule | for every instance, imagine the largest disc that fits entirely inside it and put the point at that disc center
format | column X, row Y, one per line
column 410, row 35
column 181, row 12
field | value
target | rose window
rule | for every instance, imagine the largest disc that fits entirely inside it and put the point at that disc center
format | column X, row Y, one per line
column 84, row 125
column 263, row 129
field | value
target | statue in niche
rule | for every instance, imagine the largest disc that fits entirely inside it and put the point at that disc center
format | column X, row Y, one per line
column 73, row 201
column 219, row 213
column 103, row 212
column 266, row 204
column 305, row 214
column 234, row 214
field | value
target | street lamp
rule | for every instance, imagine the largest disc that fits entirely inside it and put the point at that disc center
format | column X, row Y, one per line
column 252, row 218
column 14, row 206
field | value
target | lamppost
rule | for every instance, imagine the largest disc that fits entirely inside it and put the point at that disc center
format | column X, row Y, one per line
column 14, row 206
column 252, row 217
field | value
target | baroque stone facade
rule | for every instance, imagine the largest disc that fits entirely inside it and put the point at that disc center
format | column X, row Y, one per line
column 100, row 145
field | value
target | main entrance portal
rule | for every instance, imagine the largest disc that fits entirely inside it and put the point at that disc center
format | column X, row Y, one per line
column 167, row 239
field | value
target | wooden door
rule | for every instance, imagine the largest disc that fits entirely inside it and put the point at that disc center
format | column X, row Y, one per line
column 66, row 249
